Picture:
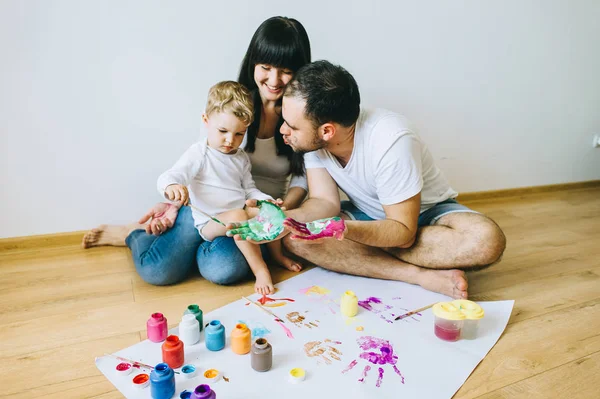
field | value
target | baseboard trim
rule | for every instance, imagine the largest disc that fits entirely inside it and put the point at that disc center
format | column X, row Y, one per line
column 41, row 241
column 74, row 238
column 517, row 192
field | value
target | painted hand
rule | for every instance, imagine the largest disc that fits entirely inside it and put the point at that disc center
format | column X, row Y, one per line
column 323, row 350
column 317, row 230
column 376, row 351
column 264, row 227
column 162, row 217
column 299, row 320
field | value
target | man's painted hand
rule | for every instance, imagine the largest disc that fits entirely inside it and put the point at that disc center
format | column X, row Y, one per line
column 317, row 230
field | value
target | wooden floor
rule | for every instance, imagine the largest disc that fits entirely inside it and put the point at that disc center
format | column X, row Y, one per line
column 61, row 306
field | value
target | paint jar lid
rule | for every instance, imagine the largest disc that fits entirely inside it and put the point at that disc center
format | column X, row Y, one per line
column 141, row 381
column 350, row 293
column 189, row 371
column 297, row 375
column 470, row 309
column 124, row 368
column 448, row 311
column 212, row 375
column 185, row 394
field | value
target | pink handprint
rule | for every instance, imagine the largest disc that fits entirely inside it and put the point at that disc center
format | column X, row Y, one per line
column 376, row 351
column 322, row 228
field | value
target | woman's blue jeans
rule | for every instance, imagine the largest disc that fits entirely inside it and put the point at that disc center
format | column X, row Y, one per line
column 170, row 257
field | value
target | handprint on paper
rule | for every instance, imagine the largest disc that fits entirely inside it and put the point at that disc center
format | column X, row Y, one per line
column 375, row 305
column 298, row 320
column 323, row 350
column 376, row 351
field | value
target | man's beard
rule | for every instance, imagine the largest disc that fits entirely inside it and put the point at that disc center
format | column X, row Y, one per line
column 317, row 143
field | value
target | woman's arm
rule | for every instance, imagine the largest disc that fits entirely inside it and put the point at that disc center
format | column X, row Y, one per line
column 294, row 197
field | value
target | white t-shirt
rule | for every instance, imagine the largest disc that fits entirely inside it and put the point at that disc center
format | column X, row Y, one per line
column 216, row 182
column 389, row 164
column 271, row 172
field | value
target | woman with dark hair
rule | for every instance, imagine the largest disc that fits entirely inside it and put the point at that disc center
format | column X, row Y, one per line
column 164, row 243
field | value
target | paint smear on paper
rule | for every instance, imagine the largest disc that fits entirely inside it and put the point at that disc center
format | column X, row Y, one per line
column 375, row 305
column 321, row 350
column 287, row 330
column 321, row 293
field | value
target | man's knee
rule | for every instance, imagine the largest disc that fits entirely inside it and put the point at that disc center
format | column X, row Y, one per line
column 491, row 243
column 296, row 247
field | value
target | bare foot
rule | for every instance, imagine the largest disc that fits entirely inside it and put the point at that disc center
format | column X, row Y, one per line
column 448, row 282
column 109, row 235
column 287, row 263
column 264, row 284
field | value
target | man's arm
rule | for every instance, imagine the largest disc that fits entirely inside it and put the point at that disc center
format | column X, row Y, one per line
column 323, row 197
column 399, row 229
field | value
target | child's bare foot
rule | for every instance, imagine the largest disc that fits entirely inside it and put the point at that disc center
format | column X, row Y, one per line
column 448, row 282
column 287, row 263
column 109, row 235
column 264, row 284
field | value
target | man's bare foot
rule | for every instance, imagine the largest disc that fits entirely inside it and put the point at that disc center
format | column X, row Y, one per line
column 109, row 235
column 287, row 263
column 448, row 282
column 264, row 284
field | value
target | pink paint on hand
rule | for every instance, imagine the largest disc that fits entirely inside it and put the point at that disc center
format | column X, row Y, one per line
column 323, row 228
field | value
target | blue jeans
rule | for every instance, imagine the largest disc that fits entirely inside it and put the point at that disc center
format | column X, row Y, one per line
column 170, row 257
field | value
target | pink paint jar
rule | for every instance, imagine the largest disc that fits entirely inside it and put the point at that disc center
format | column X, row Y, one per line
column 156, row 327
column 449, row 321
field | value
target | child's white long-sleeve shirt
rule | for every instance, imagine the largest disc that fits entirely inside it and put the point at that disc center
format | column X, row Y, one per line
column 216, row 182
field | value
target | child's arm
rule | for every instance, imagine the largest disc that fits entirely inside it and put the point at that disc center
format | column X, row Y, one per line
column 181, row 174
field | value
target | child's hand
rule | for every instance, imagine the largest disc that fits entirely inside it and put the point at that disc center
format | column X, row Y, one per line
column 264, row 284
column 178, row 193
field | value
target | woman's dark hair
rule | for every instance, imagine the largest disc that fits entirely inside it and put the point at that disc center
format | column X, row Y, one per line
column 283, row 43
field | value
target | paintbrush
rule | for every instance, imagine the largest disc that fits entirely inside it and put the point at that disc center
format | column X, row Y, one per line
column 214, row 219
column 135, row 363
column 405, row 315
column 277, row 318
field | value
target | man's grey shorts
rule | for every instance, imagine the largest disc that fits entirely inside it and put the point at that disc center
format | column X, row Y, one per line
column 427, row 218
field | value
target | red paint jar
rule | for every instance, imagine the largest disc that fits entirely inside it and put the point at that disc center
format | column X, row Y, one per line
column 172, row 352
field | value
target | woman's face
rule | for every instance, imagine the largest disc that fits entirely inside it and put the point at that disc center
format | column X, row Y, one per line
column 271, row 81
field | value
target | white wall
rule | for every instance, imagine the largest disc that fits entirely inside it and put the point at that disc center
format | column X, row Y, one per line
column 99, row 97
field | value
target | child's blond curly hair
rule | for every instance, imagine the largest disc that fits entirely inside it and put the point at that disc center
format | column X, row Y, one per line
column 230, row 96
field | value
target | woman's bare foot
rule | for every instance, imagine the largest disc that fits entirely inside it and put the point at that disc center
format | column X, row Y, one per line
column 448, row 282
column 109, row 235
column 287, row 263
column 264, row 284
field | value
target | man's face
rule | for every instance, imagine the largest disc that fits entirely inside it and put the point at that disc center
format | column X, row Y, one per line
column 297, row 130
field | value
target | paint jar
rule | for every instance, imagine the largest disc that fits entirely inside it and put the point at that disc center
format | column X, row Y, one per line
column 473, row 313
column 124, row 369
column 349, row 304
column 214, row 336
column 241, row 339
column 189, row 371
column 449, row 321
column 141, row 381
column 261, row 356
column 212, row 375
column 196, row 311
column 162, row 382
column 297, row 375
column 189, row 332
column 172, row 352
column 203, row 392
column 156, row 327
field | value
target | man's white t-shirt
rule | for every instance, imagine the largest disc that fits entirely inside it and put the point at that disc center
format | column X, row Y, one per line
column 216, row 182
column 389, row 164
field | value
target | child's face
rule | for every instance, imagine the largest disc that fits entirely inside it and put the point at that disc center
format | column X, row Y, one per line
column 225, row 131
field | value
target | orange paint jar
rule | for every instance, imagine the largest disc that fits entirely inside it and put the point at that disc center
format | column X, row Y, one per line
column 172, row 352
column 241, row 339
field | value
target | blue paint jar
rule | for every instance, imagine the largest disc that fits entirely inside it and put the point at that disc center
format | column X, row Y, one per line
column 162, row 382
column 214, row 336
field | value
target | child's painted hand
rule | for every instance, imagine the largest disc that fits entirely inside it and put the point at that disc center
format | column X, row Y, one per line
column 264, row 227
column 178, row 193
column 317, row 230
